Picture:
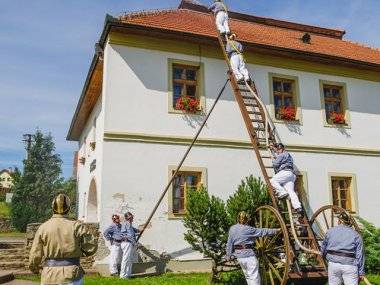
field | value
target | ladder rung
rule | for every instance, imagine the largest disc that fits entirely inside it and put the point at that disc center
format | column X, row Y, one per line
column 251, row 105
column 254, row 113
column 248, row 97
column 259, row 129
column 268, row 166
column 258, row 121
column 243, row 90
column 266, row 156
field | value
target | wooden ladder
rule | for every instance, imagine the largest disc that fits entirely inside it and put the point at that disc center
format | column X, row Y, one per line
column 261, row 131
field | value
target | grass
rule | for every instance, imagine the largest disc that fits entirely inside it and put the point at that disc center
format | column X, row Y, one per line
column 12, row 234
column 172, row 279
column 5, row 210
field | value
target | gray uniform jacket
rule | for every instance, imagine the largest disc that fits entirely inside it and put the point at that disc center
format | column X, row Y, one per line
column 230, row 48
column 113, row 232
column 242, row 235
column 217, row 7
column 130, row 232
column 283, row 161
column 344, row 239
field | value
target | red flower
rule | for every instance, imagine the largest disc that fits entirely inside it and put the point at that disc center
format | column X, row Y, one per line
column 187, row 104
column 337, row 118
column 287, row 113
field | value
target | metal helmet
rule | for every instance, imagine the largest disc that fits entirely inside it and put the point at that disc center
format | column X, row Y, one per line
column 345, row 218
column 232, row 36
column 243, row 218
column 279, row 146
column 61, row 204
column 128, row 216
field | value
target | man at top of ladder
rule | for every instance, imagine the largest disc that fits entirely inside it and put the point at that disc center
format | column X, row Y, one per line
column 283, row 180
column 234, row 50
column 221, row 17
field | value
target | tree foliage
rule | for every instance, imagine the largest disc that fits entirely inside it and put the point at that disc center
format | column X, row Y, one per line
column 371, row 240
column 251, row 194
column 69, row 187
column 208, row 219
column 39, row 183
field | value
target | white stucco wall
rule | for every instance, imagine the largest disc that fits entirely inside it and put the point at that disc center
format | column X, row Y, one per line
column 137, row 101
column 92, row 132
column 135, row 174
column 131, row 176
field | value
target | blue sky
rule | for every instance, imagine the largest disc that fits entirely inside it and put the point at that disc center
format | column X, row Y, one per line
column 46, row 47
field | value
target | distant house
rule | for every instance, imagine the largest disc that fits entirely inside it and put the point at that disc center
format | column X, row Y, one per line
column 6, row 181
column 131, row 134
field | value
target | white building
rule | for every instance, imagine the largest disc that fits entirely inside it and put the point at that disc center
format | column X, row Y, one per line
column 131, row 136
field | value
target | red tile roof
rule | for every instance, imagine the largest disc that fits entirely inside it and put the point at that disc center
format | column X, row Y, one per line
column 256, row 30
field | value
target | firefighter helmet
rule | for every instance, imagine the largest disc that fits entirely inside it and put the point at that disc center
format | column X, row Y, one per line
column 61, row 204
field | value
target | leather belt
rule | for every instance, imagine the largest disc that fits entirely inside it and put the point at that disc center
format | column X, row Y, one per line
column 55, row 262
column 341, row 253
column 243, row 246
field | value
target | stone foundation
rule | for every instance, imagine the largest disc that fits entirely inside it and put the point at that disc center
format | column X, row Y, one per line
column 6, row 225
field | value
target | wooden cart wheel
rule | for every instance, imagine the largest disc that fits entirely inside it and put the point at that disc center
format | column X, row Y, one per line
column 326, row 218
column 272, row 251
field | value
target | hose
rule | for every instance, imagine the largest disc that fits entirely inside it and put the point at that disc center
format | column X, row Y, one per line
column 295, row 234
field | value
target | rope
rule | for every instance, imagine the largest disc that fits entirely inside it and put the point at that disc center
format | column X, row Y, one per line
column 295, row 234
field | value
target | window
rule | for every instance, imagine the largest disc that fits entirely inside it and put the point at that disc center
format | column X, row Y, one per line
column 334, row 103
column 188, row 178
column 183, row 182
column 285, row 97
column 185, row 87
column 341, row 192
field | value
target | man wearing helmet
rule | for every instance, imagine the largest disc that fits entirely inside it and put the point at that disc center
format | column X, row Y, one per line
column 221, row 16
column 283, row 180
column 58, row 245
column 344, row 251
column 114, row 236
column 241, row 242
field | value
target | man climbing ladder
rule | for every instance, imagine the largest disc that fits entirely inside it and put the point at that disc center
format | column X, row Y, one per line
column 234, row 50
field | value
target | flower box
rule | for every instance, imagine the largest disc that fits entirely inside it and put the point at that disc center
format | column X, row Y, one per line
column 287, row 113
column 82, row 160
column 92, row 145
column 188, row 105
column 337, row 118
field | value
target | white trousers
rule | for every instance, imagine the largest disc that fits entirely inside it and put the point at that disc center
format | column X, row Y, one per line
column 250, row 267
column 238, row 67
column 127, row 260
column 115, row 257
column 222, row 22
column 342, row 273
column 283, row 182
column 78, row 282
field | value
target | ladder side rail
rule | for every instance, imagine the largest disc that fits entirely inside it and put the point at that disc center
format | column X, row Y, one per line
column 248, row 123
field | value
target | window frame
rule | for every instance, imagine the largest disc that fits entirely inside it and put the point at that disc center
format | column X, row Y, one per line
column 296, row 98
column 353, row 197
column 200, row 91
column 203, row 182
column 344, row 103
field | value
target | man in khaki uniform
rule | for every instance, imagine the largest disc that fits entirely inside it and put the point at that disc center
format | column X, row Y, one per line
column 58, row 245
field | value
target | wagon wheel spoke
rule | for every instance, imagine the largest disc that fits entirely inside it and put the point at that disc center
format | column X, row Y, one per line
column 275, row 271
column 272, row 240
column 271, row 277
column 332, row 218
column 325, row 218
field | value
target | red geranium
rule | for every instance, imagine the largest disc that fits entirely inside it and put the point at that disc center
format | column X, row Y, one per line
column 287, row 113
column 337, row 118
column 188, row 104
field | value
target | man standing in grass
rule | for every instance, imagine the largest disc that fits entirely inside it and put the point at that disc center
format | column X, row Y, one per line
column 59, row 243
column 344, row 251
column 114, row 236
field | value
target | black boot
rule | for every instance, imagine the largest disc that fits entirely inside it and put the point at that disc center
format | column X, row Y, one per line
column 241, row 81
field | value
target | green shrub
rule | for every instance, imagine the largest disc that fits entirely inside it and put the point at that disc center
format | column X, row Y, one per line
column 371, row 240
column 251, row 194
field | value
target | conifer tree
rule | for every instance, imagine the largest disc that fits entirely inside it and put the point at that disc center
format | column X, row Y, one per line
column 38, row 184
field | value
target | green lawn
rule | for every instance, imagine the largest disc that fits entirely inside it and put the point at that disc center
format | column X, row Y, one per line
column 4, row 210
column 172, row 279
